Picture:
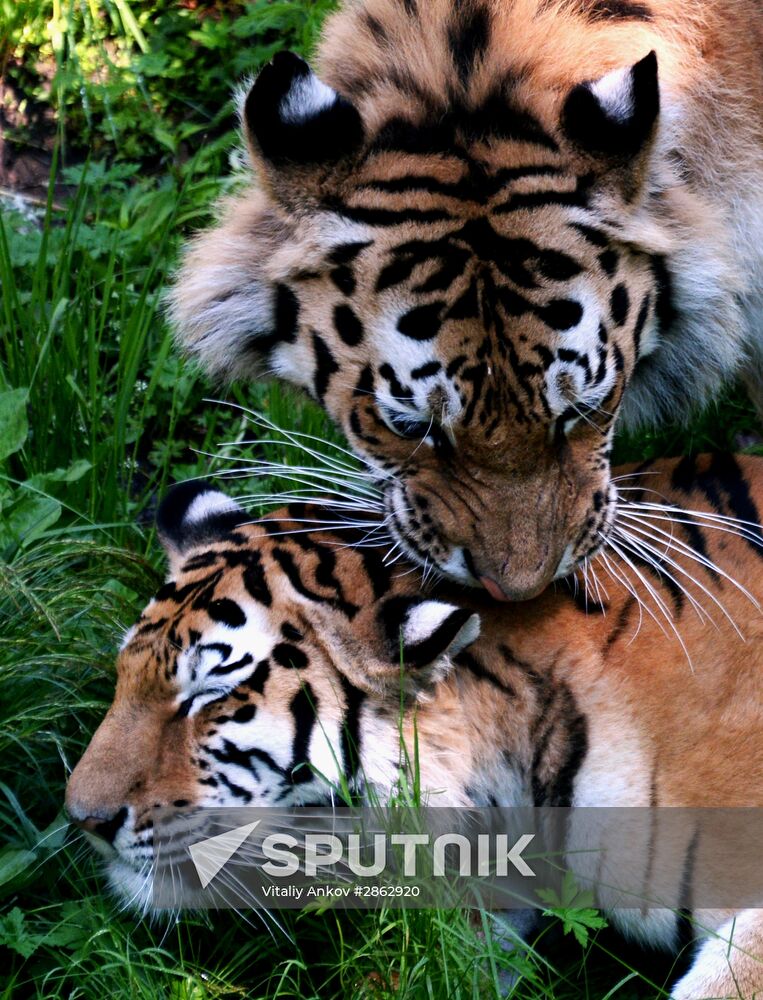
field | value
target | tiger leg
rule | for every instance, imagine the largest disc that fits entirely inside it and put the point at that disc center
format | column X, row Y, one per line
column 728, row 964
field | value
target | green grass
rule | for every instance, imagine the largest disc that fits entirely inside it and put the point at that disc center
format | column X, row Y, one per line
column 97, row 415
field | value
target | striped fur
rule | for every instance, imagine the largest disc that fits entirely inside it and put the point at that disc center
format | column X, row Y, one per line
column 268, row 651
column 487, row 230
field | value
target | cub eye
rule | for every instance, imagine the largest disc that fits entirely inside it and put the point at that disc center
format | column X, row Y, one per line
column 411, row 427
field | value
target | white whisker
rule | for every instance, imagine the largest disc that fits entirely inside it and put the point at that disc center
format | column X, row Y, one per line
column 624, row 582
column 683, row 548
column 658, row 600
column 653, row 557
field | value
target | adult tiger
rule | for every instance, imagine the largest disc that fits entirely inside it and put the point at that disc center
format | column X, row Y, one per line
column 267, row 651
column 496, row 225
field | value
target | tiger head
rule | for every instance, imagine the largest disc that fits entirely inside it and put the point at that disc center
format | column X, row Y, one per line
column 266, row 671
column 448, row 250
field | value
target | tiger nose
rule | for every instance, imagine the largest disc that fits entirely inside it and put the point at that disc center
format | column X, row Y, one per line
column 100, row 822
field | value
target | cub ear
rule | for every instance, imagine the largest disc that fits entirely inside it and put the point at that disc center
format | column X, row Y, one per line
column 420, row 631
column 290, row 116
column 614, row 117
column 192, row 514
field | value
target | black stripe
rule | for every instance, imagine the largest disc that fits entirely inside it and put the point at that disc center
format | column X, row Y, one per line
column 384, row 216
column 256, row 681
column 621, row 623
column 561, row 790
column 303, row 707
column 424, row 371
column 236, row 790
column 641, row 323
column 350, row 738
column 468, row 40
column 345, row 253
column 421, row 322
column 684, row 933
column 540, row 199
column 614, row 10
column 462, row 189
column 594, row 236
column 477, row 668
column 226, row 611
column 347, row 325
column 619, row 304
column 286, row 317
column 255, row 581
column 228, row 668
column 325, row 366
column 420, row 654
column 286, row 654
column 727, row 472
column 664, row 306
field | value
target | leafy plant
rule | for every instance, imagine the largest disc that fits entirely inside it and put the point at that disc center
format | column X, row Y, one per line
column 574, row 907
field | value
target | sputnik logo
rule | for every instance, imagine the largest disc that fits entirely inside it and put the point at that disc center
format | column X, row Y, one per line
column 211, row 855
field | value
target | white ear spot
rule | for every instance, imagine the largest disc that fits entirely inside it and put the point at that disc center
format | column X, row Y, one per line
column 208, row 504
column 614, row 92
column 307, row 97
column 424, row 619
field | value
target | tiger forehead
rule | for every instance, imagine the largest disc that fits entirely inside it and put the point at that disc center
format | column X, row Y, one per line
column 424, row 300
column 413, row 57
column 258, row 578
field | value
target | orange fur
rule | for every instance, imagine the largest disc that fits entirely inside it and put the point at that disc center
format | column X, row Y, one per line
column 597, row 708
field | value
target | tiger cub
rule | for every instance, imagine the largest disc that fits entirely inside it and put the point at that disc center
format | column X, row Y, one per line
column 485, row 231
column 271, row 646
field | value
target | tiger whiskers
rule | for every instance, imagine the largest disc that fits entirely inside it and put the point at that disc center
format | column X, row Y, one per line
column 663, row 609
column 598, row 584
column 749, row 530
column 636, row 544
column 643, row 546
column 669, row 543
column 320, row 474
column 299, row 438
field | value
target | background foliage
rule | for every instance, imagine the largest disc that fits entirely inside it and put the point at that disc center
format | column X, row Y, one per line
column 125, row 103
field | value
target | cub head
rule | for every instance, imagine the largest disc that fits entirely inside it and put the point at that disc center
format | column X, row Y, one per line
column 441, row 250
column 255, row 676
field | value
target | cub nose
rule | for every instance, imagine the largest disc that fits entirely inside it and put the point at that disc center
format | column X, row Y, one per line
column 100, row 822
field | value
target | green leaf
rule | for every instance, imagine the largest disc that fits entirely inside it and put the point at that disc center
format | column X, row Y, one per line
column 574, row 908
column 13, row 862
column 26, row 518
column 13, row 421
column 72, row 474
column 14, row 934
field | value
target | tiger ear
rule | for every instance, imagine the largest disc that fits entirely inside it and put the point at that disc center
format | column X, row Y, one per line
column 614, row 118
column 403, row 644
column 422, row 632
column 193, row 514
column 292, row 117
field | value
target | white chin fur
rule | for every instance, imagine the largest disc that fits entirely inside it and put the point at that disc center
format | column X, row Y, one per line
column 134, row 890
